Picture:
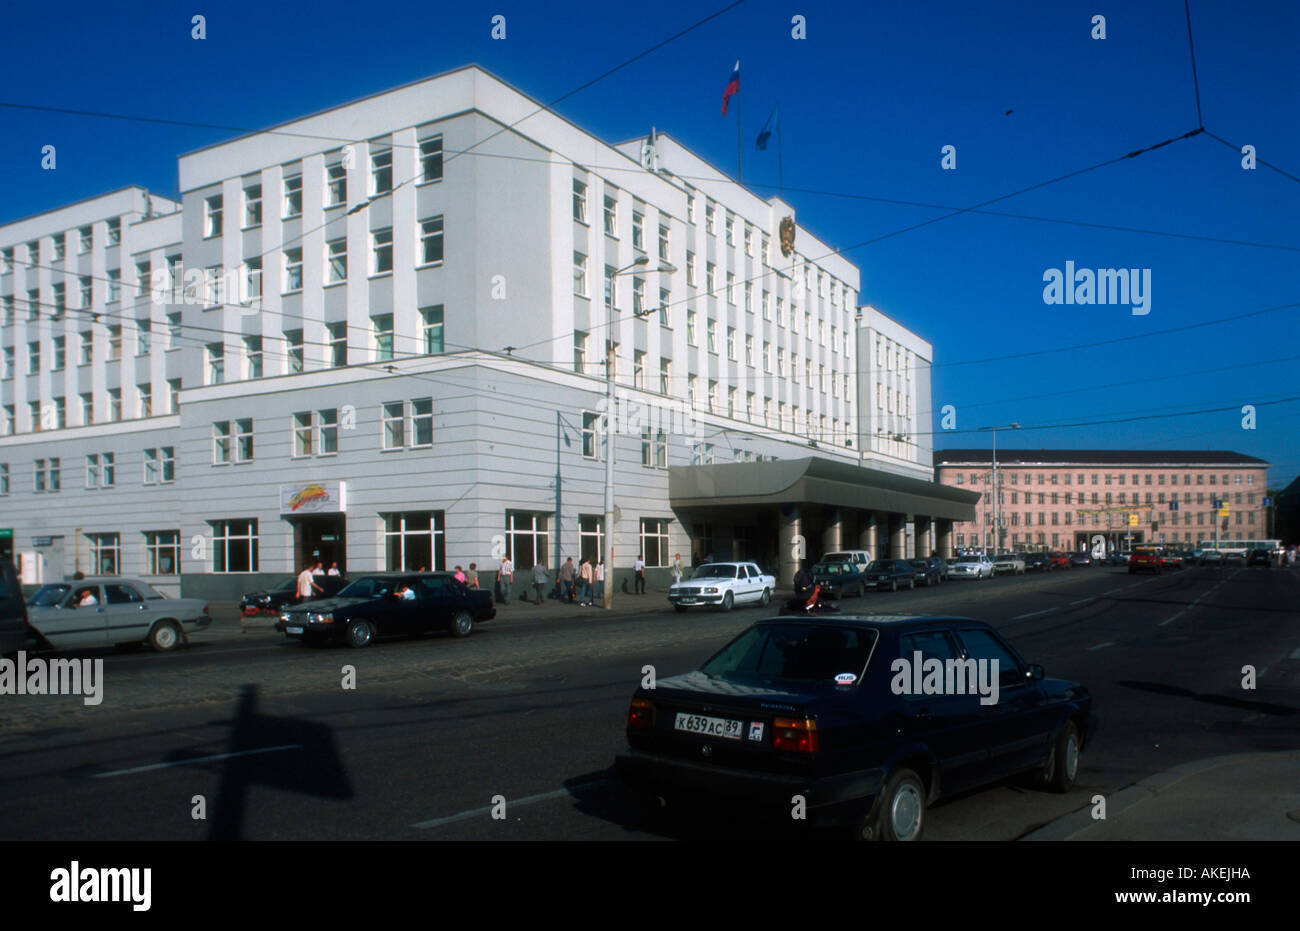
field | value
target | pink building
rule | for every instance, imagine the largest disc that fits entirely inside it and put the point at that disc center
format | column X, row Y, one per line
column 1063, row 498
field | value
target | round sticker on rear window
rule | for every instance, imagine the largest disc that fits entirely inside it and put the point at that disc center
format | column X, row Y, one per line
column 845, row 678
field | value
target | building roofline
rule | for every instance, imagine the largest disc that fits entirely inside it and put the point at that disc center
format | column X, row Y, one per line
column 1134, row 457
column 85, row 200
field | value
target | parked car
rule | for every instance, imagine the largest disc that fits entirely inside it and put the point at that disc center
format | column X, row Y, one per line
column 1115, row 558
column 723, row 585
column 1170, row 559
column 971, row 567
column 1059, row 560
column 1080, row 559
column 860, row 558
column 108, row 610
column 839, row 579
column 892, row 574
column 1260, row 558
column 1212, row 557
column 375, row 606
column 15, row 632
column 933, row 569
column 1037, row 562
column 1010, row 563
column 271, row 600
column 811, row 707
column 1145, row 559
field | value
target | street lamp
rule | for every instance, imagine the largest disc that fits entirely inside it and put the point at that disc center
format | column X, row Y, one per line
column 997, row 526
column 638, row 262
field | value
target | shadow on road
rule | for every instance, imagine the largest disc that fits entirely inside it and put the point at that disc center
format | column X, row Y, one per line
column 1226, row 701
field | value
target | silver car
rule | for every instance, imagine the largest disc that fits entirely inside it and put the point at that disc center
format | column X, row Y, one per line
column 108, row 610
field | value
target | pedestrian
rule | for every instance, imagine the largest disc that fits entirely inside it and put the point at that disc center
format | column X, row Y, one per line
column 567, row 573
column 473, row 576
column 460, row 575
column 318, row 569
column 638, row 568
column 803, row 581
column 600, row 582
column 677, row 569
column 334, row 570
column 505, row 580
column 585, row 573
column 307, row 584
column 540, row 579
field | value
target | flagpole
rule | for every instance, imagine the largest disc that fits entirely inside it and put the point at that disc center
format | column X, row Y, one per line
column 740, row 143
column 780, row 165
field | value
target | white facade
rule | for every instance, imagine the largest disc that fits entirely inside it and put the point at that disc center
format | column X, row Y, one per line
column 895, row 395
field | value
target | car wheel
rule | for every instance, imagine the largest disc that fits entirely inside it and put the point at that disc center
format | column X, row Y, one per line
column 461, row 624
column 894, row 585
column 680, row 609
column 1062, row 766
column 728, row 601
column 360, row 633
column 900, row 812
column 766, row 599
column 164, row 637
column 911, row 584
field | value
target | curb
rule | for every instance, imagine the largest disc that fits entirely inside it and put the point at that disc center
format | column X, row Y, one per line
column 1070, row 826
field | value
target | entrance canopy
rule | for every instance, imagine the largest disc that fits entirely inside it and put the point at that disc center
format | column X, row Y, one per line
column 815, row 481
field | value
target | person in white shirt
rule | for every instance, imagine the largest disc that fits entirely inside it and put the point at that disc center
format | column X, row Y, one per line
column 599, row 599
column 638, row 568
column 677, row 568
column 334, row 570
column 87, row 599
column 505, row 580
column 318, row 569
column 307, row 584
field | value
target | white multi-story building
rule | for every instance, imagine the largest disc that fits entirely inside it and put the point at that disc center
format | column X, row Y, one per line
column 376, row 336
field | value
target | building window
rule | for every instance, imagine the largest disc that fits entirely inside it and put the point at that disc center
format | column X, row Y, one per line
column 381, row 171
column 690, row 328
column 292, row 270
column 526, row 538
column 101, row 471
column 234, row 545
column 431, row 240
column 415, row 541
column 431, row 324
column 85, row 239
column 382, row 325
column 654, row 542
column 421, row 422
column 579, row 274
column 144, row 396
column 34, row 357
column 431, row 159
column 638, row 369
column 665, row 299
column 4, row 478
column 232, row 441
column 711, row 334
column 709, row 275
column 338, row 337
column 665, row 376
column 114, row 404
column 611, row 215
column 252, row 206
column 638, row 231
column 160, row 465
column 253, row 356
column 212, row 209
column 710, row 219
column 216, row 363
column 143, row 331
column 114, row 285
column 293, row 197
column 336, row 185
column 397, row 433
column 731, row 343
column 579, row 205
column 48, row 475
column 690, row 269
column 638, row 296
column 105, row 553
column 592, row 435
column 303, row 434
column 381, row 248
column 730, row 229
column 162, row 550
column 336, row 263
column 654, row 449
column 591, row 537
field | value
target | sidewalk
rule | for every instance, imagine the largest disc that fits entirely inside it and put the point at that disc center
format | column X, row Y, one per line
column 1244, row 796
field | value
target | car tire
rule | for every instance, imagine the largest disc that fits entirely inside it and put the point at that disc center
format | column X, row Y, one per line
column 164, row 637
column 680, row 609
column 728, row 601
column 462, row 624
column 766, row 598
column 900, row 810
column 894, row 585
column 1062, row 766
column 911, row 584
column 360, row 633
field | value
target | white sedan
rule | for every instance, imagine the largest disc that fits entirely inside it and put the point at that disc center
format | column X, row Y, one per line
column 971, row 567
column 724, row 585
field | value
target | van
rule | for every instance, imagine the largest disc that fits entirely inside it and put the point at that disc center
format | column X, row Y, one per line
column 14, row 631
column 861, row 558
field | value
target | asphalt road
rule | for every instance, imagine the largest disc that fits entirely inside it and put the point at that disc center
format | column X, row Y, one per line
column 531, row 710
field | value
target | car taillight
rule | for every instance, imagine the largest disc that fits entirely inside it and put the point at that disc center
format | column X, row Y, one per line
column 796, row 734
column 641, row 714
column 205, row 610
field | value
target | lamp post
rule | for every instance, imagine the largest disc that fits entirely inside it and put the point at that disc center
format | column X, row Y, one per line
column 638, row 262
column 997, row 526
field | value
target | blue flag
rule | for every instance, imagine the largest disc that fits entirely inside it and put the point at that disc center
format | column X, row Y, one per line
column 768, row 128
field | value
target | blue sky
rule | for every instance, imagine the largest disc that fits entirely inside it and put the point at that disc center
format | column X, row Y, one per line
column 867, row 102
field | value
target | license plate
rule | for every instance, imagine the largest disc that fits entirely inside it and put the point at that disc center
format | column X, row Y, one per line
column 710, row 727
column 687, row 601
column 293, row 630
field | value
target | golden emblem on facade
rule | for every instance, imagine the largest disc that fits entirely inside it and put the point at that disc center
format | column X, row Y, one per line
column 787, row 236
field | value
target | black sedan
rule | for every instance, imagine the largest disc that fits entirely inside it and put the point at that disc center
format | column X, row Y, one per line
column 1260, row 558
column 1038, row 562
column 932, row 569
column 831, row 711
column 273, row 600
column 839, row 579
column 1080, row 559
column 891, row 574
column 389, row 604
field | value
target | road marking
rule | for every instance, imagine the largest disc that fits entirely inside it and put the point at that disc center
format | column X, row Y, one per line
column 1033, row 614
column 1082, row 601
column 1174, row 618
column 1108, row 643
column 195, row 759
column 511, row 803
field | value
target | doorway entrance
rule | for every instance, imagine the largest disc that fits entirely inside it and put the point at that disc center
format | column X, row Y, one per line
column 321, row 537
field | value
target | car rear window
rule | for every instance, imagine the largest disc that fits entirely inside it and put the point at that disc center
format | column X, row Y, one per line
column 715, row 571
column 792, row 653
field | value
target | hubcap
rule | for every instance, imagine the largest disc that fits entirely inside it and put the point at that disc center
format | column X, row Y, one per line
column 166, row 637
column 1072, row 757
column 462, row 624
column 905, row 813
column 361, row 634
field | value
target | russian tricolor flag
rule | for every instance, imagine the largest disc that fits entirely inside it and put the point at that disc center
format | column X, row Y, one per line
column 733, row 87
